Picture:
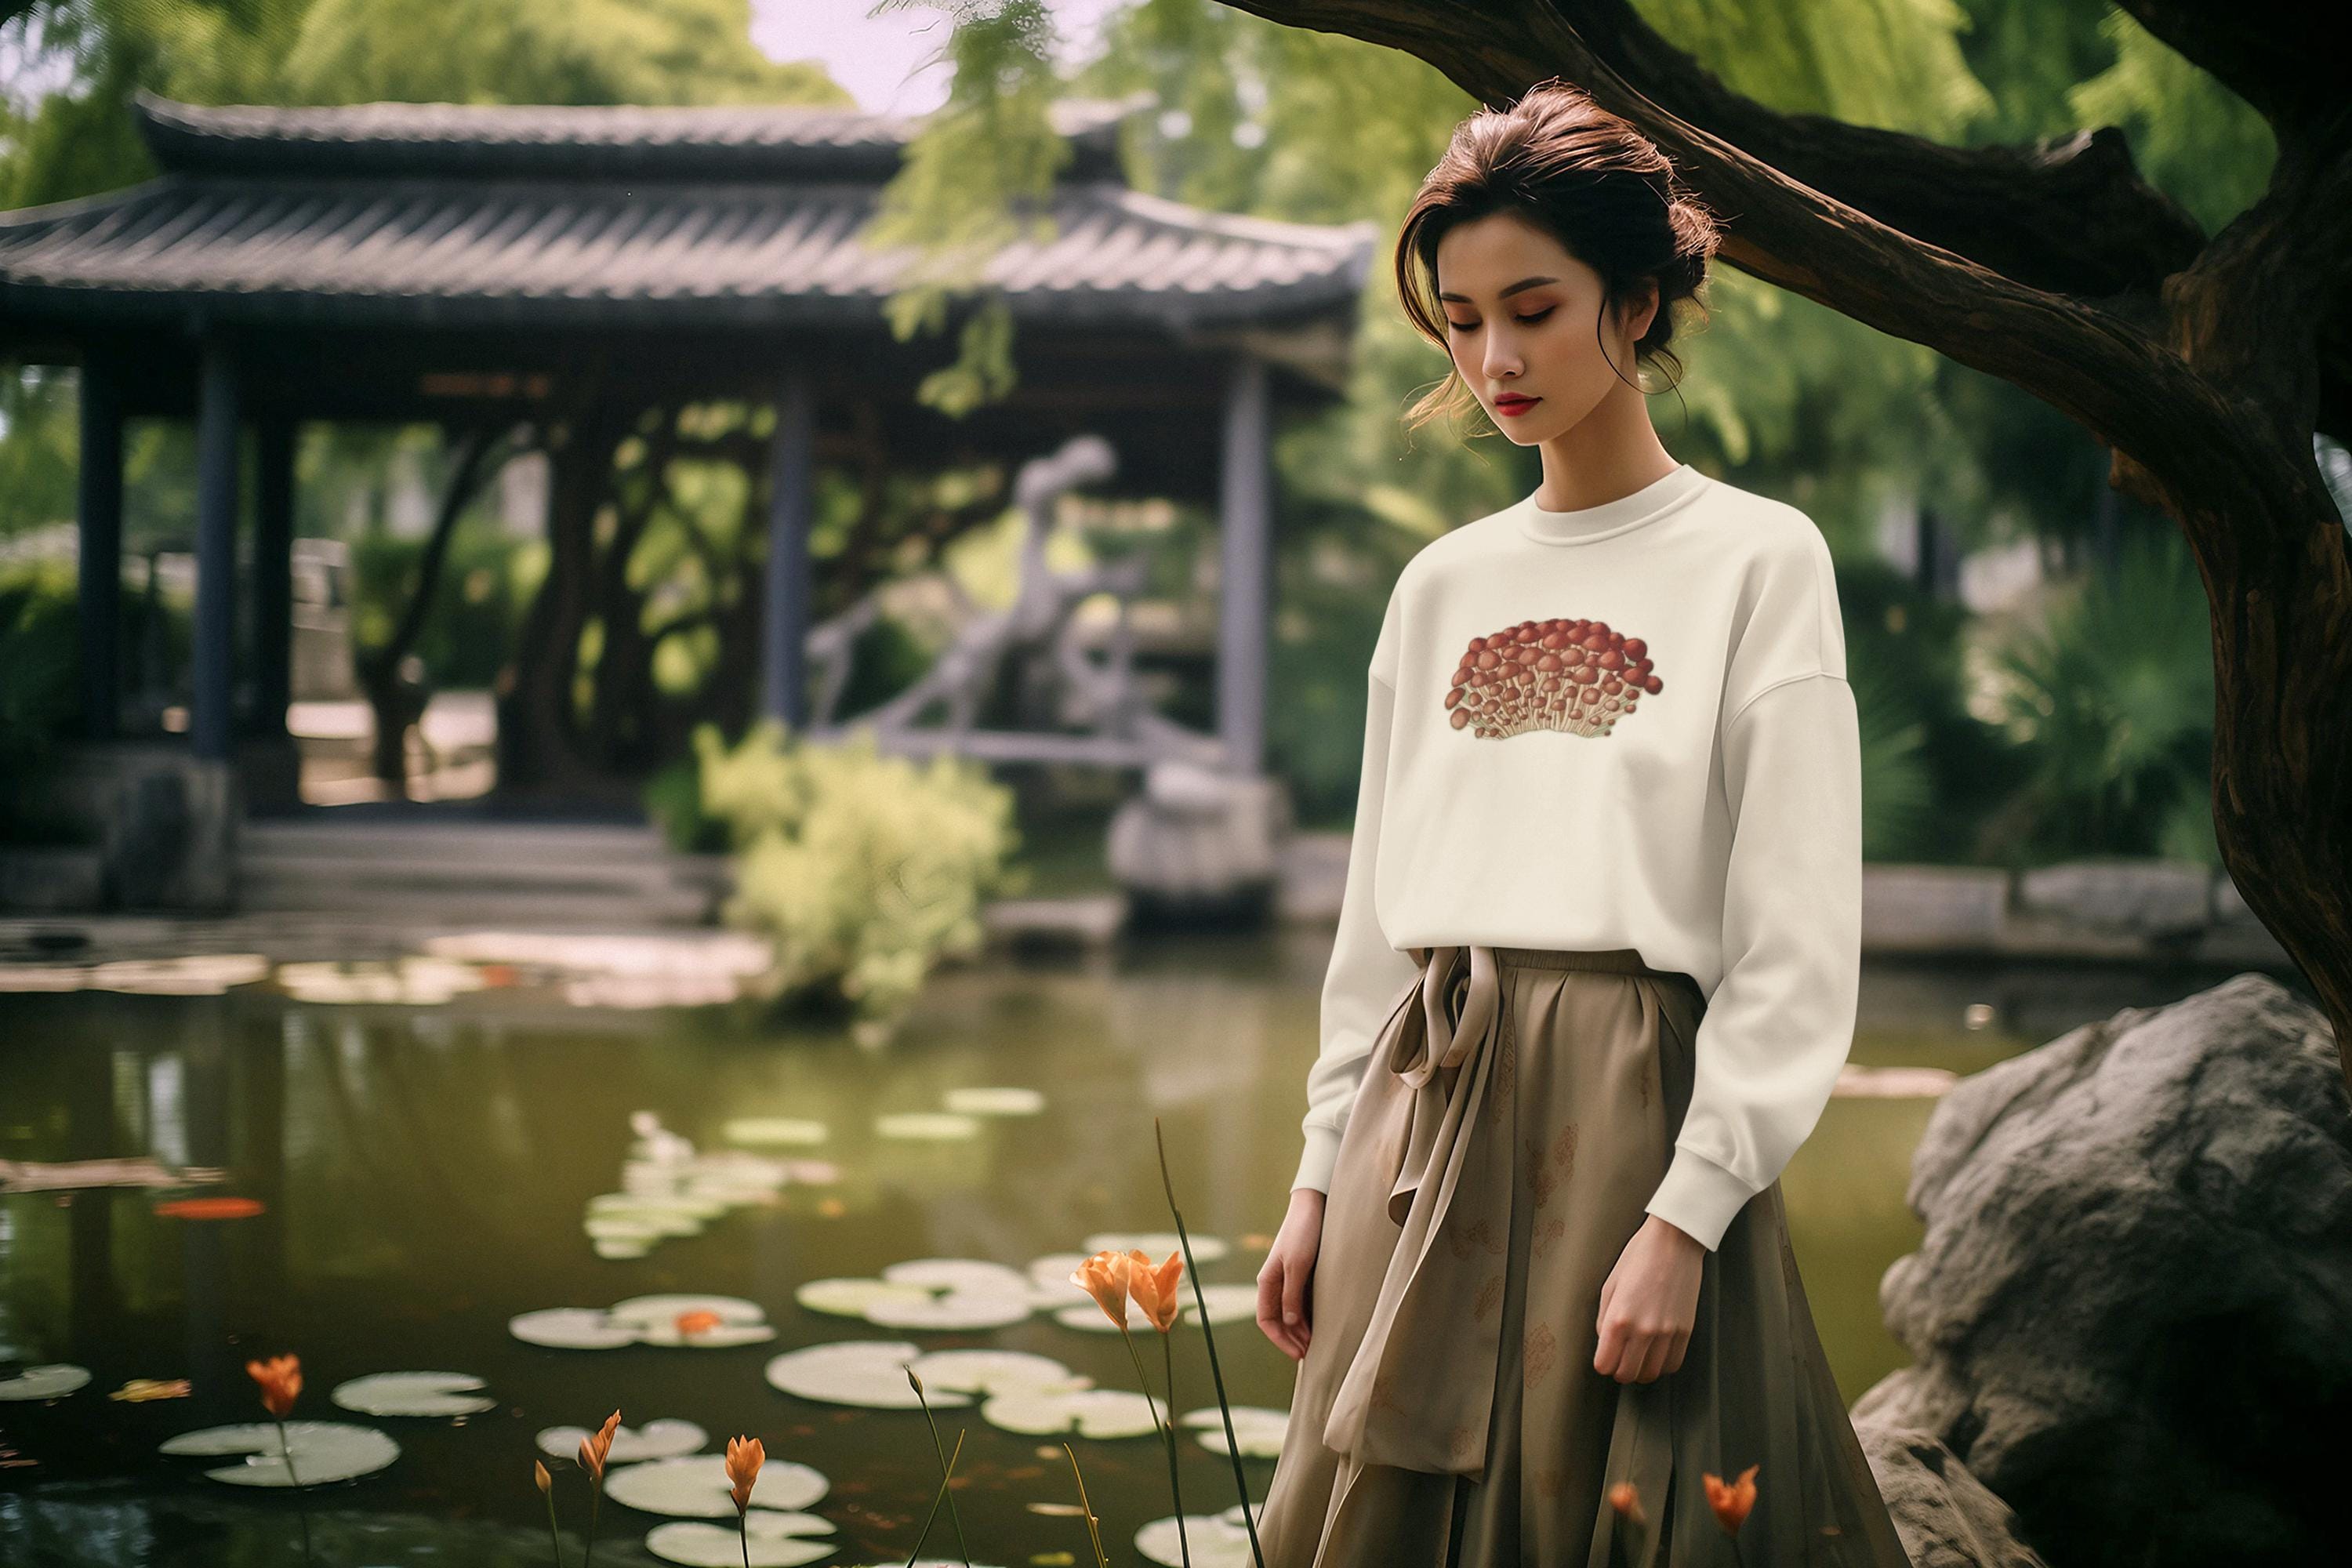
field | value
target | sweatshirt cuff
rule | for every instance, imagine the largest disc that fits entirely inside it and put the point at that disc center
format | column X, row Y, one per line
column 1699, row 1197
column 1315, row 1165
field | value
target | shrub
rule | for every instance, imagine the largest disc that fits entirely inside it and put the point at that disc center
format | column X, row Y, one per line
column 861, row 870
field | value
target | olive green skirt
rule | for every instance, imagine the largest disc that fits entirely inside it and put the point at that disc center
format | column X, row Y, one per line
column 1517, row 1114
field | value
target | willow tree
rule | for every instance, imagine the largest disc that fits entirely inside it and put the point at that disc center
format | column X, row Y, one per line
column 2204, row 364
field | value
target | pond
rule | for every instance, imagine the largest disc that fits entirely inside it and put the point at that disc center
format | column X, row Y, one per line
column 425, row 1173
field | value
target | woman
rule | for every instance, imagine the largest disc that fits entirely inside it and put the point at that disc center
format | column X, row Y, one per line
column 1598, row 951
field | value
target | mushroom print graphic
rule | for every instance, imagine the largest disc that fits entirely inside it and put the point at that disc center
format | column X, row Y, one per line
column 1577, row 676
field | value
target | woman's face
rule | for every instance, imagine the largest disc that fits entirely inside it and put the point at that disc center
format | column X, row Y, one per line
column 1521, row 314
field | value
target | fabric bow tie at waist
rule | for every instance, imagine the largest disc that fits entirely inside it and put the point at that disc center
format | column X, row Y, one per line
column 1436, row 1326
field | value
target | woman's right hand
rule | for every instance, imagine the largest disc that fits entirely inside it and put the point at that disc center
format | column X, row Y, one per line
column 1284, row 1299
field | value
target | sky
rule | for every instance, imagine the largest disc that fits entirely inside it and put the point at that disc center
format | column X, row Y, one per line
column 885, row 62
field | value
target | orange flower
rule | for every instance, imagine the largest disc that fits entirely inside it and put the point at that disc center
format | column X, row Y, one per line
column 1104, row 1276
column 1154, row 1290
column 281, row 1379
column 699, row 1322
column 1626, row 1499
column 596, row 1446
column 539, row 1473
column 140, row 1390
column 744, row 1457
column 1731, row 1502
column 209, row 1208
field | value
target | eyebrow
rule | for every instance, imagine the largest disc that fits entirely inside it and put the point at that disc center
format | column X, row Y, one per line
column 1502, row 294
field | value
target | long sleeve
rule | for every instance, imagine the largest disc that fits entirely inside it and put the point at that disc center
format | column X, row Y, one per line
column 1779, row 1025
column 1366, row 975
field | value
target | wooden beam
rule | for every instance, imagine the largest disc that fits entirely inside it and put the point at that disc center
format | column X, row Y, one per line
column 100, row 510
column 210, row 728
column 1247, row 539
column 273, row 572
column 792, row 482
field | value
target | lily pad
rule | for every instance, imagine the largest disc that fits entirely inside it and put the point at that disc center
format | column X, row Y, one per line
column 775, row 1132
column 971, row 1294
column 1217, row 1540
column 1005, row 1101
column 1088, row 1315
column 1050, row 1285
column 1088, row 1412
column 1155, row 1244
column 414, row 1393
column 323, row 1451
column 572, row 1329
column 935, row 1126
column 767, row 1540
column 1258, row 1427
column 648, row 1224
column 1227, row 1303
column 696, row 1487
column 656, row 1320
column 661, row 1438
column 853, row 1297
column 956, row 1274
column 995, row 1371
column 868, row 1373
column 612, row 1247
column 665, row 1310
column 54, row 1381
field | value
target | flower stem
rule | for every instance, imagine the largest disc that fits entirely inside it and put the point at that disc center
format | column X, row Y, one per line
column 301, row 1509
column 1092, row 1533
column 947, row 1473
column 1144, row 1383
column 743, row 1530
column 1183, row 1539
column 1199, row 1301
column 553, row 1539
column 937, row 1498
column 595, row 1497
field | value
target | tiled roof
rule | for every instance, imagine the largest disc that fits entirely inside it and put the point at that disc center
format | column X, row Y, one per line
column 390, row 213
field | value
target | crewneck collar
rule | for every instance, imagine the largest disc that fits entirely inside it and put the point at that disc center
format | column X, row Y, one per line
column 1584, row 525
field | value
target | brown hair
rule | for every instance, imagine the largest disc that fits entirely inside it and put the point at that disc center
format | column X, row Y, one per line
column 1585, row 176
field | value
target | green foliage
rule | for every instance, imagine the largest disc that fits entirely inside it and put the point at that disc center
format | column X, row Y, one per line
column 81, row 139
column 38, row 449
column 1931, row 768
column 861, row 870
column 2191, row 137
column 2112, row 702
column 477, row 606
column 973, row 182
column 40, row 669
column 540, row 51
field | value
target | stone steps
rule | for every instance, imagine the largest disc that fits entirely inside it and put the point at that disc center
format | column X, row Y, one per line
column 472, row 871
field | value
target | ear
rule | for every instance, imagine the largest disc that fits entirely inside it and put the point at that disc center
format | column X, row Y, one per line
column 1640, row 308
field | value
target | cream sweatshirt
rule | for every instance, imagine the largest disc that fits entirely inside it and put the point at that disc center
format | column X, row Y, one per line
column 1626, row 725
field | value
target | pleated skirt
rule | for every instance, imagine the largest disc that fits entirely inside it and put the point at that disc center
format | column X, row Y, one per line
column 1517, row 1114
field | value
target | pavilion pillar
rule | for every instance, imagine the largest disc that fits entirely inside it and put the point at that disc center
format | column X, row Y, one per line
column 99, row 512
column 273, row 572
column 209, row 727
column 792, row 493
column 1245, row 579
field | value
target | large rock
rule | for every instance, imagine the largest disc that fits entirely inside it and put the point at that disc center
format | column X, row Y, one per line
column 1946, row 1518
column 2129, row 1313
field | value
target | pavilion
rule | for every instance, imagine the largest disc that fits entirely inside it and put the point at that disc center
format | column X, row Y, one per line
column 455, row 263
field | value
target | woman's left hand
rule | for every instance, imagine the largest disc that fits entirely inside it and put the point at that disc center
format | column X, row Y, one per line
column 1649, row 1303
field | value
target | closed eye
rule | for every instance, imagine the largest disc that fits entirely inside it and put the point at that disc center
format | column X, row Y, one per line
column 1523, row 320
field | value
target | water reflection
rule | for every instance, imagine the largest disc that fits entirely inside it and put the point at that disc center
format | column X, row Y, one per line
column 422, row 1174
